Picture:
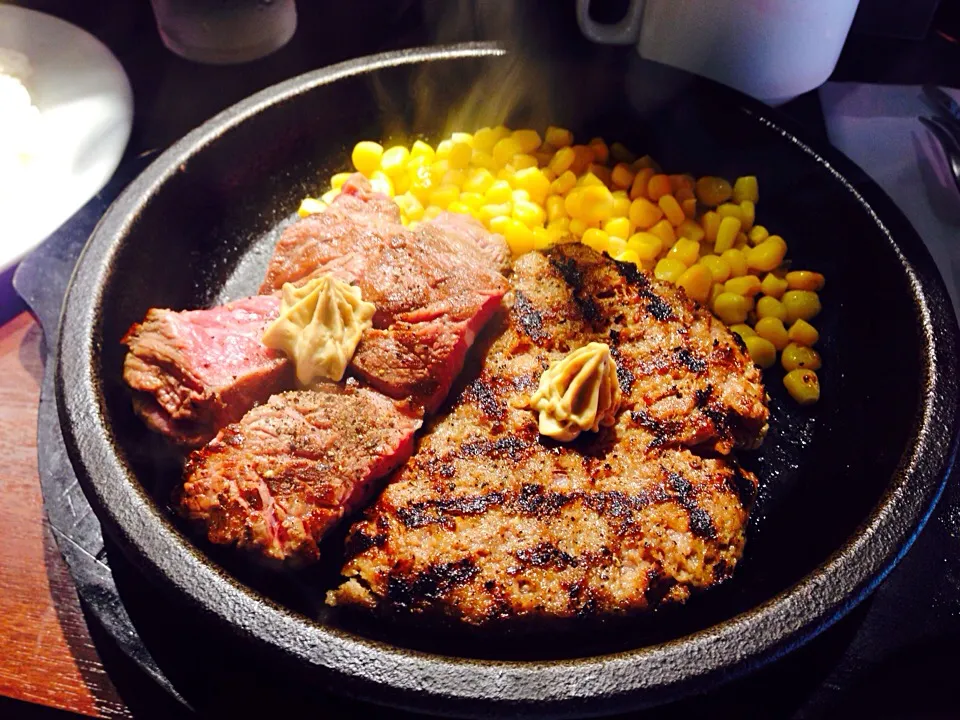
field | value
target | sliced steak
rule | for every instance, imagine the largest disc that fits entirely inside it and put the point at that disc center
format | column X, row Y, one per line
column 195, row 371
column 276, row 481
column 490, row 521
column 434, row 286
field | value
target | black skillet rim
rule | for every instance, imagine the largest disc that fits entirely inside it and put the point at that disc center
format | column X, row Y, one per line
column 434, row 683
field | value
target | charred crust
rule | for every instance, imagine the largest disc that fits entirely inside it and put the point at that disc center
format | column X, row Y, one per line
column 529, row 318
column 546, row 555
column 742, row 486
column 573, row 276
column 624, row 376
column 702, row 395
column 436, row 511
column 659, row 586
column 359, row 542
column 631, row 273
column 657, row 306
column 432, row 584
column 701, row 524
column 484, row 396
column 690, row 360
column 513, row 446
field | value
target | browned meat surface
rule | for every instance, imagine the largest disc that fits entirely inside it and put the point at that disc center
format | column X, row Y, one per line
column 276, row 481
column 196, row 371
column 490, row 521
column 434, row 287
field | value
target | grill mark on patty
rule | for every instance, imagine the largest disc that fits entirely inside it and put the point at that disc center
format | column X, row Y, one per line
column 702, row 395
column 663, row 431
column 573, row 277
column 546, row 555
column 631, row 273
column 693, row 362
column 483, row 395
column 625, row 376
column 741, row 486
column 529, row 318
column 658, row 307
column 432, row 584
column 430, row 512
column 359, row 542
column 701, row 524
column 513, row 446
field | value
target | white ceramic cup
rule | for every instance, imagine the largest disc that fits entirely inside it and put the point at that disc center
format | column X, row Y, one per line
column 773, row 50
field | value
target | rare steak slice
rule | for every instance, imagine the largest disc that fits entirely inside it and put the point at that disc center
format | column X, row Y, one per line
column 195, row 371
column 279, row 479
column 489, row 521
column 434, row 286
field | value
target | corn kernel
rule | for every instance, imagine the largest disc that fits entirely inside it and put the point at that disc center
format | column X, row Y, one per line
column 803, row 333
column 711, row 225
column 745, row 189
column 439, row 168
column 498, row 224
column 601, row 152
column 671, row 209
column 460, row 155
column 558, row 137
column 559, row 228
column 601, row 172
column 664, row 230
column 519, row 237
column 641, row 182
column 488, row 212
column 532, row 180
column 596, row 238
column 443, row 149
column 520, row 196
column 761, row 350
column 589, row 178
column 381, row 183
column 523, row 162
column 772, row 329
column 771, row 307
column 805, row 280
column 582, row 157
column 394, row 161
column 366, row 156
column 542, row 239
column 645, row 162
column 484, row 139
column 478, row 180
column 773, row 286
column 458, row 207
column 644, row 214
column 529, row 140
column 686, row 251
column 311, row 206
column 555, row 208
column 727, row 233
column 681, row 183
column 801, row 304
column 562, row 160
column 646, row 245
column 731, row 308
column 621, row 204
column 715, row 292
column 577, row 227
column 658, row 186
column 748, row 214
column 422, row 149
column 689, row 206
column 529, row 213
column 690, row 229
column 741, row 243
column 616, row 246
column 573, row 203
column 736, row 261
column 718, row 267
column 499, row 192
column 767, row 255
column 747, row 285
column 622, row 176
column 757, row 234
column 454, row 177
column 742, row 330
column 337, row 181
column 617, row 227
column 564, row 183
column 472, row 200
column 482, row 159
column 713, row 191
column 696, row 281
column 803, row 386
column 410, row 206
column 669, row 269
column 596, row 204
column 799, row 356
column 729, row 210
column 444, row 195
column 504, row 150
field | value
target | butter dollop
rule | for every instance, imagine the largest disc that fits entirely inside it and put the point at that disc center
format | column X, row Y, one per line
column 578, row 392
column 319, row 327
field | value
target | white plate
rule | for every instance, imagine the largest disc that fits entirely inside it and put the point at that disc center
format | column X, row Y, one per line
column 86, row 112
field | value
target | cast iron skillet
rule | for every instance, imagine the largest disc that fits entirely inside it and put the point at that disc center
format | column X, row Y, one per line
column 846, row 485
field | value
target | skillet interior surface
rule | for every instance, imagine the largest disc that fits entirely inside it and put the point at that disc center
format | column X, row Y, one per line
column 844, row 485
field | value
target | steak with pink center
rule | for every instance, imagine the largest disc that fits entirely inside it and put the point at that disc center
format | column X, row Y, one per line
column 198, row 370
column 279, row 479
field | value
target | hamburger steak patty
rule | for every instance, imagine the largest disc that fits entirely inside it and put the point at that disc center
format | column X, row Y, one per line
column 293, row 467
column 490, row 521
column 435, row 286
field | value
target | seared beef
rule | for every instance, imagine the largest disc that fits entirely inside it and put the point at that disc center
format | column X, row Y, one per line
column 490, row 521
column 196, row 371
column 276, row 481
column 434, row 286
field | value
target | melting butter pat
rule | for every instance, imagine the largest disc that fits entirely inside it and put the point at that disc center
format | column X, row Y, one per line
column 319, row 327
column 579, row 392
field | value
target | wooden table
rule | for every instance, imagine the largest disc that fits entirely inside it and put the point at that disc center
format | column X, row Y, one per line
column 48, row 656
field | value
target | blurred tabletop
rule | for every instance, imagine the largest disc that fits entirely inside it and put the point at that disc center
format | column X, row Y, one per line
column 51, row 657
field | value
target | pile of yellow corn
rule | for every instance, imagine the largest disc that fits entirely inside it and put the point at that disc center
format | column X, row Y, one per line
column 700, row 234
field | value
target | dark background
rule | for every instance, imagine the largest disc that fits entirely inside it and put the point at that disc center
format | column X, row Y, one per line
column 897, row 654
